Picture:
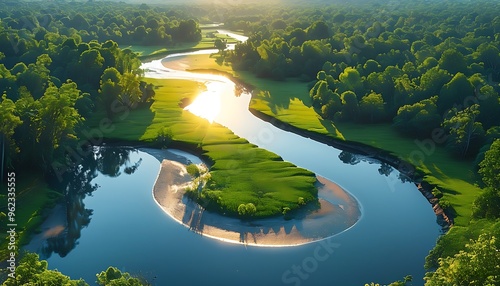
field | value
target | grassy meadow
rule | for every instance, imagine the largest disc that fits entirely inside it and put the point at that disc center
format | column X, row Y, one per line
column 240, row 171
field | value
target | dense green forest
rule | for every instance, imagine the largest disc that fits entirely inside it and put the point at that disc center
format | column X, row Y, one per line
column 428, row 69
column 418, row 66
column 69, row 60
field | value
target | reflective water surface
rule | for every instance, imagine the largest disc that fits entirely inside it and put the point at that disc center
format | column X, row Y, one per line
column 110, row 218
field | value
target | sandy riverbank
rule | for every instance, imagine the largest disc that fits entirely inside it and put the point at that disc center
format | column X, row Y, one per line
column 338, row 212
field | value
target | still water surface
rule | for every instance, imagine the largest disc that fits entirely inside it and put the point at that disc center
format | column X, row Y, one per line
column 127, row 229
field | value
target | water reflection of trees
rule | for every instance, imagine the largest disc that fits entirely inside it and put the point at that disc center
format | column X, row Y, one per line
column 384, row 169
column 76, row 184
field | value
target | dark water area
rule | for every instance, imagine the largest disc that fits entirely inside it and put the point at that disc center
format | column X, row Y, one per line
column 117, row 222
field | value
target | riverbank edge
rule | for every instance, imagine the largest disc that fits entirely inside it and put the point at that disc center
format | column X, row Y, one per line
column 216, row 231
column 445, row 218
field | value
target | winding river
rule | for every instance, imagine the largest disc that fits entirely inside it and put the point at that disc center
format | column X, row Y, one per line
column 121, row 225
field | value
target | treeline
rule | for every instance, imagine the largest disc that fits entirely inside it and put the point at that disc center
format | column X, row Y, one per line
column 53, row 77
column 86, row 21
column 423, row 66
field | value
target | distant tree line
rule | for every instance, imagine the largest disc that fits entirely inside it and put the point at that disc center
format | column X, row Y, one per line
column 125, row 24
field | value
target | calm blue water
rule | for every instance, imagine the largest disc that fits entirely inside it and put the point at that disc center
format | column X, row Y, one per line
column 128, row 230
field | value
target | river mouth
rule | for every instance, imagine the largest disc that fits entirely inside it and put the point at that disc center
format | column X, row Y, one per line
column 335, row 212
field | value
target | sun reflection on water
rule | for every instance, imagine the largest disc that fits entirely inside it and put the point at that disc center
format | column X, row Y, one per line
column 206, row 105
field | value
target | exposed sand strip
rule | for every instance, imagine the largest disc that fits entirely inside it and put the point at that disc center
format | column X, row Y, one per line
column 338, row 211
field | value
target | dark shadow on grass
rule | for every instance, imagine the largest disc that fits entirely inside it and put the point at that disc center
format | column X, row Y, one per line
column 329, row 126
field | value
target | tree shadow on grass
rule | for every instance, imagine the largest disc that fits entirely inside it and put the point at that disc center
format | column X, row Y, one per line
column 329, row 126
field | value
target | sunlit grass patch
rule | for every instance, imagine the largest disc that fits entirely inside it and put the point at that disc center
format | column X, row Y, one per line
column 455, row 178
column 241, row 172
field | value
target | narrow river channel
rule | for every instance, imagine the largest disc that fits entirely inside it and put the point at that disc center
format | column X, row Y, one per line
column 128, row 230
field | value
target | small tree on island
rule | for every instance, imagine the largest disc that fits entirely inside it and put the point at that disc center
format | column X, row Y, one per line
column 247, row 209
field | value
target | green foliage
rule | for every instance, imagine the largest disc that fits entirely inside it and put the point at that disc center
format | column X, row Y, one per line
column 418, row 119
column 464, row 129
column 114, row 277
column 489, row 168
column 487, row 205
column 457, row 237
column 248, row 209
column 32, row 271
column 193, row 170
column 164, row 137
column 437, row 193
column 371, row 108
column 478, row 264
column 453, row 61
column 455, row 92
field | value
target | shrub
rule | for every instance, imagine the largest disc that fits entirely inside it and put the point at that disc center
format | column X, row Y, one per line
column 164, row 137
column 193, row 170
column 247, row 209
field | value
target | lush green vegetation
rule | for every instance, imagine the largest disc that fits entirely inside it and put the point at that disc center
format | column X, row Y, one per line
column 416, row 78
column 240, row 171
column 33, row 271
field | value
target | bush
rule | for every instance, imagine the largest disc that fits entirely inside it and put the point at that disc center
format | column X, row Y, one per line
column 301, row 201
column 164, row 137
column 247, row 209
column 193, row 170
column 444, row 204
column 487, row 205
column 437, row 193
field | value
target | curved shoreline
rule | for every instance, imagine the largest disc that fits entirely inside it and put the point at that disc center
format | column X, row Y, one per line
column 381, row 155
column 404, row 167
column 338, row 212
column 444, row 220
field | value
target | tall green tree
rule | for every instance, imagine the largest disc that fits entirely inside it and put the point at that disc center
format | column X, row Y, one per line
column 419, row 118
column 56, row 121
column 489, row 168
column 455, row 92
column 464, row 129
column 10, row 120
column 453, row 61
column 371, row 108
column 114, row 277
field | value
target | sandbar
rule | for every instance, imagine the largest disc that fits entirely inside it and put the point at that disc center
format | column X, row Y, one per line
column 338, row 212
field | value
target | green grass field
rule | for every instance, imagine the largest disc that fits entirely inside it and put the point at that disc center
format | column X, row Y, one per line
column 455, row 239
column 241, row 173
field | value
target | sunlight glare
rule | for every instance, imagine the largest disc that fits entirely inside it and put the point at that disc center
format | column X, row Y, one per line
column 206, row 105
